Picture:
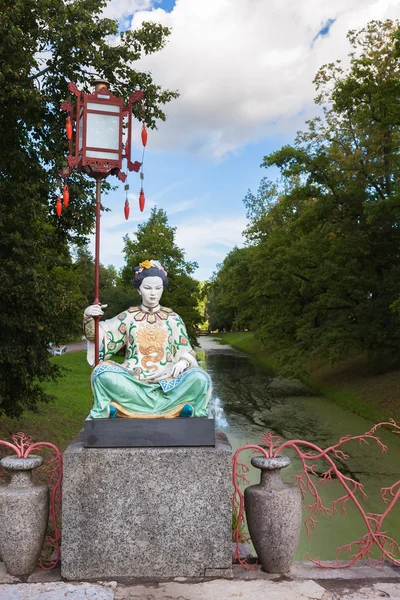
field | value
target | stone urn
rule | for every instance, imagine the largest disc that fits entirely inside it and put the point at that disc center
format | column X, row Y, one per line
column 24, row 513
column 273, row 513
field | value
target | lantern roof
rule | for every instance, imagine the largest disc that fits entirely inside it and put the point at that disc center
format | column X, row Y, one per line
column 99, row 84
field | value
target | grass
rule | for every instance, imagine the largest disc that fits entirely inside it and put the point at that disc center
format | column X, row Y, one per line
column 350, row 384
column 245, row 341
column 353, row 385
column 60, row 421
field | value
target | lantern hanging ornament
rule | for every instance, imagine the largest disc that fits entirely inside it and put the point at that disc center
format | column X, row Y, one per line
column 126, row 207
column 142, row 200
column 144, row 135
column 58, row 206
column 66, row 196
column 68, row 128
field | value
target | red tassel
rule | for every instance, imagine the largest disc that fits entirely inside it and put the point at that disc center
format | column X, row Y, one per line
column 68, row 128
column 58, row 206
column 127, row 150
column 144, row 135
column 126, row 209
column 142, row 200
column 66, row 196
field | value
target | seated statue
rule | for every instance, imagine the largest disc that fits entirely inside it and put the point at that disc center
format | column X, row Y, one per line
column 160, row 377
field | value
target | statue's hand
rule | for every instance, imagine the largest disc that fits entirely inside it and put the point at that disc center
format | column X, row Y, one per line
column 180, row 366
column 95, row 310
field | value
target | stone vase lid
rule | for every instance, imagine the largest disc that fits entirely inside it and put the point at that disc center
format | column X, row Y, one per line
column 270, row 464
column 15, row 463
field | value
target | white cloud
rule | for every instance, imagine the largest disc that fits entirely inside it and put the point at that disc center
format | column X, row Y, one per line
column 167, row 189
column 204, row 239
column 181, row 207
column 205, row 235
column 245, row 68
column 207, row 241
column 118, row 9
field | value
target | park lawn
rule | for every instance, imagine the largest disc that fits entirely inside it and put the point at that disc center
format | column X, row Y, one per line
column 350, row 384
column 59, row 421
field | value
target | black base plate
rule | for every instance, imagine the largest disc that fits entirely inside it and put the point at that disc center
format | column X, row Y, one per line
column 138, row 433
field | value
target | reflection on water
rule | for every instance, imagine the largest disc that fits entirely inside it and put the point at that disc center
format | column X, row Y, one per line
column 247, row 402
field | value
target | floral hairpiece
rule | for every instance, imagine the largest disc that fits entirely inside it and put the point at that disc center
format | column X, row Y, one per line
column 148, row 264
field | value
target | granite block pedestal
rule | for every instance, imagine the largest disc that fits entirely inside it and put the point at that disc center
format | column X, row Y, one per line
column 146, row 513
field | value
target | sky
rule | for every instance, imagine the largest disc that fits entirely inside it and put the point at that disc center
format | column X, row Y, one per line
column 244, row 70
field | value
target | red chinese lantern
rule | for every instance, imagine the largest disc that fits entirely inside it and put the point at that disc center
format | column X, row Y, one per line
column 95, row 127
column 58, row 206
column 144, row 135
column 142, row 200
column 126, row 209
column 66, row 196
column 68, row 128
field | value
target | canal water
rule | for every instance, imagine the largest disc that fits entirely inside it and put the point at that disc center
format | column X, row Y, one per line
column 248, row 402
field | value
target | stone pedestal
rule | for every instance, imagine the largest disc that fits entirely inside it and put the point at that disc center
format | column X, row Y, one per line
column 147, row 512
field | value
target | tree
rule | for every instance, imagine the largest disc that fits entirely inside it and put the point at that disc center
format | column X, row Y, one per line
column 155, row 239
column 202, row 304
column 113, row 292
column 328, row 238
column 45, row 44
column 229, row 305
column 323, row 266
column 84, row 265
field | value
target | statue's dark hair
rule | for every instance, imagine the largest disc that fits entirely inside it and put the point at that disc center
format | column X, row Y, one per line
column 152, row 272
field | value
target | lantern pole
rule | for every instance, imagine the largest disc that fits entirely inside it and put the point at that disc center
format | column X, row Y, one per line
column 97, row 268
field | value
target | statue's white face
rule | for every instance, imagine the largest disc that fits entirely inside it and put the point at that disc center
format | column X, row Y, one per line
column 151, row 290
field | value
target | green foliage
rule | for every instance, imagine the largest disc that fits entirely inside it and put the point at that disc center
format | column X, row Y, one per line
column 323, row 277
column 229, row 305
column 45, row 44
column 113, row 292
column 118, row 299
column 202, row 305
column 155, row 240
column 40, row 294
column 84, row 267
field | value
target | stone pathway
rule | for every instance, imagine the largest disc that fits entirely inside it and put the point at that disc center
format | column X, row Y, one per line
column 211, row 590
column 304, row 582
column 55, row 591
column 258, row 590
column 75, row 347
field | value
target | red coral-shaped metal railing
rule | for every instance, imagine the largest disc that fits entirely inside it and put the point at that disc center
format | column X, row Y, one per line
column 362, row 548
column 23, row 445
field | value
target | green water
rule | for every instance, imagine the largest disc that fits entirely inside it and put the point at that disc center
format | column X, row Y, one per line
column 248, row 402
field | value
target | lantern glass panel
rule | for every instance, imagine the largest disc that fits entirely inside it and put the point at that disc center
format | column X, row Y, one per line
column 80, row 133
column 103, row 107
column 100, row 154
column 102, row 131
